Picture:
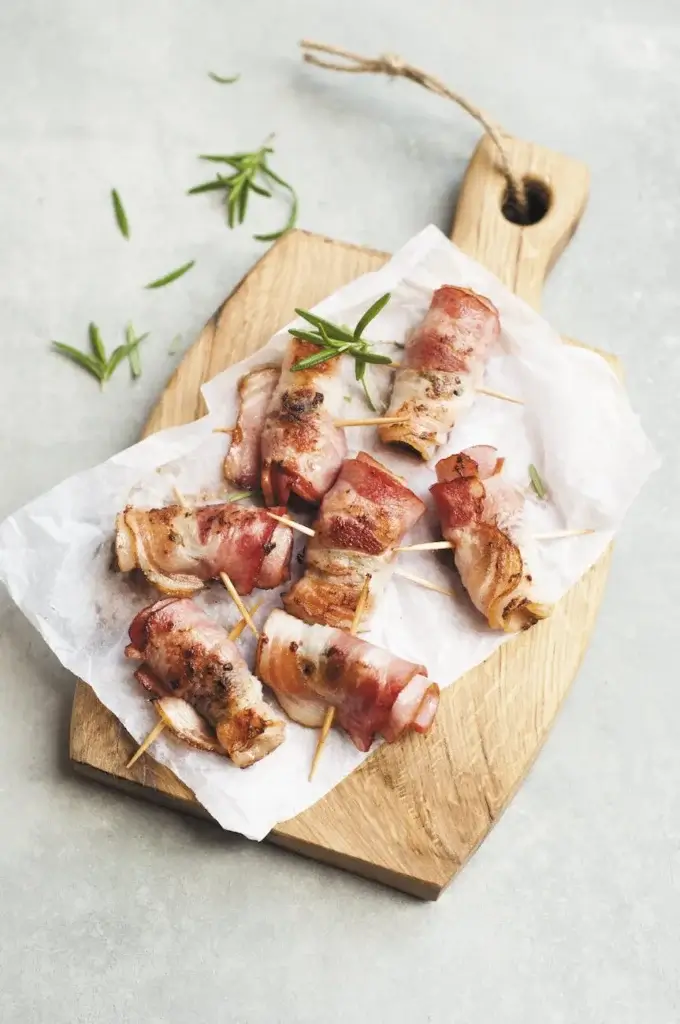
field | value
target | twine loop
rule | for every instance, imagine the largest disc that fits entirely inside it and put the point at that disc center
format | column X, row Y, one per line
column 396, row 67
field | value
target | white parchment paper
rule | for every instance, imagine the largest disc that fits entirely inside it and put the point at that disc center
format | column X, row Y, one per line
column 576, row 426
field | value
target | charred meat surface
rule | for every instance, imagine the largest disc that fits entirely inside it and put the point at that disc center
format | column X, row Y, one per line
column 178, row 548
column 186, row 656
column 362, row 518
column 443, row 364
column 312, row 667
column 481, row 515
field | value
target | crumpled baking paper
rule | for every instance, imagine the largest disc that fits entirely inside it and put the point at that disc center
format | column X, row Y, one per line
column 576, row 426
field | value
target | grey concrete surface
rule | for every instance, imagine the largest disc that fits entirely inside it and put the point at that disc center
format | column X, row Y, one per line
column 113, row 911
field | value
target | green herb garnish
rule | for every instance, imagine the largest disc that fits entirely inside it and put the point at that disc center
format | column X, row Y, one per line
column 537, row 483
column 132, row 342
column 240, row 495
column 336, row 339
column 98, row 363
column 172, row 276
column 221, row 80
column 120, row 215
column 251, row 174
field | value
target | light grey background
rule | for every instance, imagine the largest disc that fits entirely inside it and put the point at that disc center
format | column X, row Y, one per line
column 114, row 911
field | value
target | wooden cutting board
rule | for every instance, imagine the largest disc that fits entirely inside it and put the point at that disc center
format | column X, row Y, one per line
column 415, row 811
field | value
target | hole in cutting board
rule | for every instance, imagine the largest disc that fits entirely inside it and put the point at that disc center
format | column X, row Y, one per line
column 539, row 198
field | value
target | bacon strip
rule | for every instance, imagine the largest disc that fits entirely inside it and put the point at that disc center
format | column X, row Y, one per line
column 302, row 449
column 313, row 667
column 363, row 517
column 481, row 517
column 242, row 464
column 190, row 663
column 178, row 548
column 443, row 363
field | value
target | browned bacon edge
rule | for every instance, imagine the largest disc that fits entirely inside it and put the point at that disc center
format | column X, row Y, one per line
column 374, row 692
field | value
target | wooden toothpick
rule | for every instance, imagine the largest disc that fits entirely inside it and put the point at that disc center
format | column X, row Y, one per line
column 364, row 421
column 236, row 598
column 330, row 713
column 499, row 394
column 300, row 527
column 146, row 743
column 425, row 583
column 370, row 421
column 160, row 726
column 430, row 545
column 442, row 545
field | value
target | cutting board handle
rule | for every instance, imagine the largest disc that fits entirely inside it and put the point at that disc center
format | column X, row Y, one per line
column 521, row 255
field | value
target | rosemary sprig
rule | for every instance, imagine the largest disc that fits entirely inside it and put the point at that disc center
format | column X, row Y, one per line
column 223, row 80
column 537, row 483
column 119, row 214
column 98, row 363
column 172, row 276
column 251, row 173
column 336, row 339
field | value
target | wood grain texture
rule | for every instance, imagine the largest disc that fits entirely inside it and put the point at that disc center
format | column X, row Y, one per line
column 415, row 811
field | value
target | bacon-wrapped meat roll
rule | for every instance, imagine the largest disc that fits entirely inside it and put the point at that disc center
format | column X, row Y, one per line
column 313, row 667
column 481, row 517
column 442, row 365
column 302, row 449
column 179, row 548
column 190, row 663
column 363, row 517
column 242, row 464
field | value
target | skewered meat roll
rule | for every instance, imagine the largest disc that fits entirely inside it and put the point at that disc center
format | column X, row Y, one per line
column 363, row 517
column 313, row 667
column 481, row 517
column 302, row 449
column 443, row 363
column 242, row 464
column 178, row 548
column 199, row 677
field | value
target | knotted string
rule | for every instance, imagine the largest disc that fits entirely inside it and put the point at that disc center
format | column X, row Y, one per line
column 394, row 66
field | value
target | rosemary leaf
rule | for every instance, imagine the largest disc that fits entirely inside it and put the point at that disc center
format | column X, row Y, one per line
column 260, row 191
column 374, row 357
column 223, row 80
column 81, row 358
column 208, row 186
column 233, row 161
column 316, row 339
column 333, row 331
column 120, row 215
column 115, row 360
column 371, row 313
column 537, row 483
column 242, row 204
column 172, row 276
column 290, row 223
column 133, row 343
column 367, row 394
column 318, row 357
column 96, row 344
column 232, row 199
